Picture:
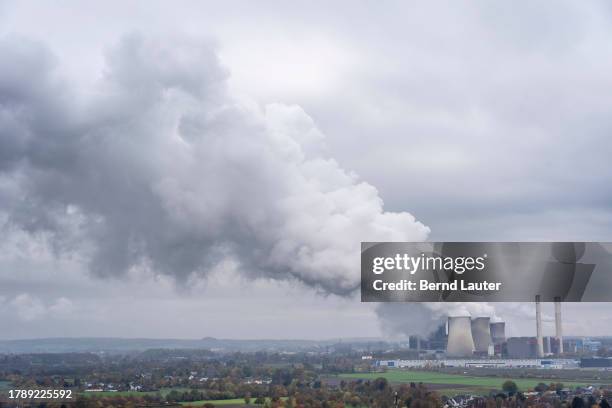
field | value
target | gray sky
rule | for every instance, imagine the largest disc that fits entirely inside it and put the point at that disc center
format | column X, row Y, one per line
column 198, row 169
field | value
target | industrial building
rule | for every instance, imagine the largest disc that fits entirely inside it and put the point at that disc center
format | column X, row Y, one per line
column 556, row 363
column 478, row 337
column 522, row 347
column 479, row 343
column 527, row 347
column 597, row 362
column 498, row 332
column 498, row 337
column 435, row 342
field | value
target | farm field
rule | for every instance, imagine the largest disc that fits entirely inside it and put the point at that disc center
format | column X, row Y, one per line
column 218, row 403
column 237, row 402
column 443, row 382
column 163, row 392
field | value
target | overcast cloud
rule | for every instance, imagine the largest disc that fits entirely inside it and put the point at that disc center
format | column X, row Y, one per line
column 144, row 147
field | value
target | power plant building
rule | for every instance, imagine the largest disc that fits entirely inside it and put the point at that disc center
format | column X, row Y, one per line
column 479, row 337
column 522, row 347
column 498, row 333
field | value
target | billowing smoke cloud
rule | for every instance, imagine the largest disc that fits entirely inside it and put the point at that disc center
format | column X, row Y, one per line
column 422, row 319
column 159, row 167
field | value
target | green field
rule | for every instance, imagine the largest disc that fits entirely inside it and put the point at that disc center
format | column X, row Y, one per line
column 225, row 402
column 462, row 382
column 163, row 392
column 235, row 401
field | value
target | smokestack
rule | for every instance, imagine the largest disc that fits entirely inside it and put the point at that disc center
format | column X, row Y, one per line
column 460, row 341
column 558, row 327
column 540, row 341
column 481, row 333
column 498, row 332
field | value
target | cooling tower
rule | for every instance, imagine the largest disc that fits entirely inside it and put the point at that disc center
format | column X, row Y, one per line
column 498, row 332
column 481, row 333
column 460, row 341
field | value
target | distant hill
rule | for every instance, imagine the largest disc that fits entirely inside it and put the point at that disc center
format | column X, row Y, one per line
column 109, row 344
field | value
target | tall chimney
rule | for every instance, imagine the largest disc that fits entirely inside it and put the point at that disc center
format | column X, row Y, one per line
column 540, row 341
column 558, row 327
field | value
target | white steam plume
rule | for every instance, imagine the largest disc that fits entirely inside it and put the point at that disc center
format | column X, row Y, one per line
column 162, row 168
column 422, row 319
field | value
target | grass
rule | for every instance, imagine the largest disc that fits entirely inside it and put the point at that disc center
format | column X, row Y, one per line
column 397, row 376
column 235, row 401
column 163, row 392
column 225, row 402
